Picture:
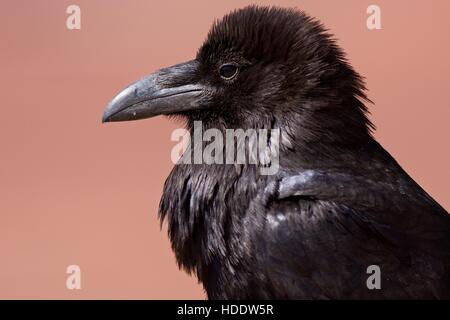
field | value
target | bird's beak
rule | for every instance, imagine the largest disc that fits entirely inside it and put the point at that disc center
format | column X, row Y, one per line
column 170, row 90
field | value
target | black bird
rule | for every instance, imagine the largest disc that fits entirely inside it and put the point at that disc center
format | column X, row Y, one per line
column 339, row 202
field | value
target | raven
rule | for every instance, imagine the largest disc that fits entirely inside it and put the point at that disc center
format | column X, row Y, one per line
column 339, row 204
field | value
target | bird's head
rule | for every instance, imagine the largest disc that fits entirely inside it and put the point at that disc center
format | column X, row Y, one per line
column 258, row 67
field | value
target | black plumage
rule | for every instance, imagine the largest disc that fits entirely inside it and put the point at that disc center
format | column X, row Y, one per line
column 339, row 202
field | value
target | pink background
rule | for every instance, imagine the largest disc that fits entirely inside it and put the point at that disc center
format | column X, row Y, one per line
column 74, row 191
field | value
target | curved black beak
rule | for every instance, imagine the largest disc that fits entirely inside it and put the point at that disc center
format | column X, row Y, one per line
column 170, row 90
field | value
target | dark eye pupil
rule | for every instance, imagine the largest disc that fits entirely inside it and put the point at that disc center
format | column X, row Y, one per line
column 228, row 71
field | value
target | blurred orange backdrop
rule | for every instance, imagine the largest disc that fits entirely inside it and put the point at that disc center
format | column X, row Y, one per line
column 74, row 191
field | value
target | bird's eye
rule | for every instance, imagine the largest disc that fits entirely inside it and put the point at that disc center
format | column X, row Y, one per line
column 228, row 71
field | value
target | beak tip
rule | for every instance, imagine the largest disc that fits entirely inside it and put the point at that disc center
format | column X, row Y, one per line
column 105, row 118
